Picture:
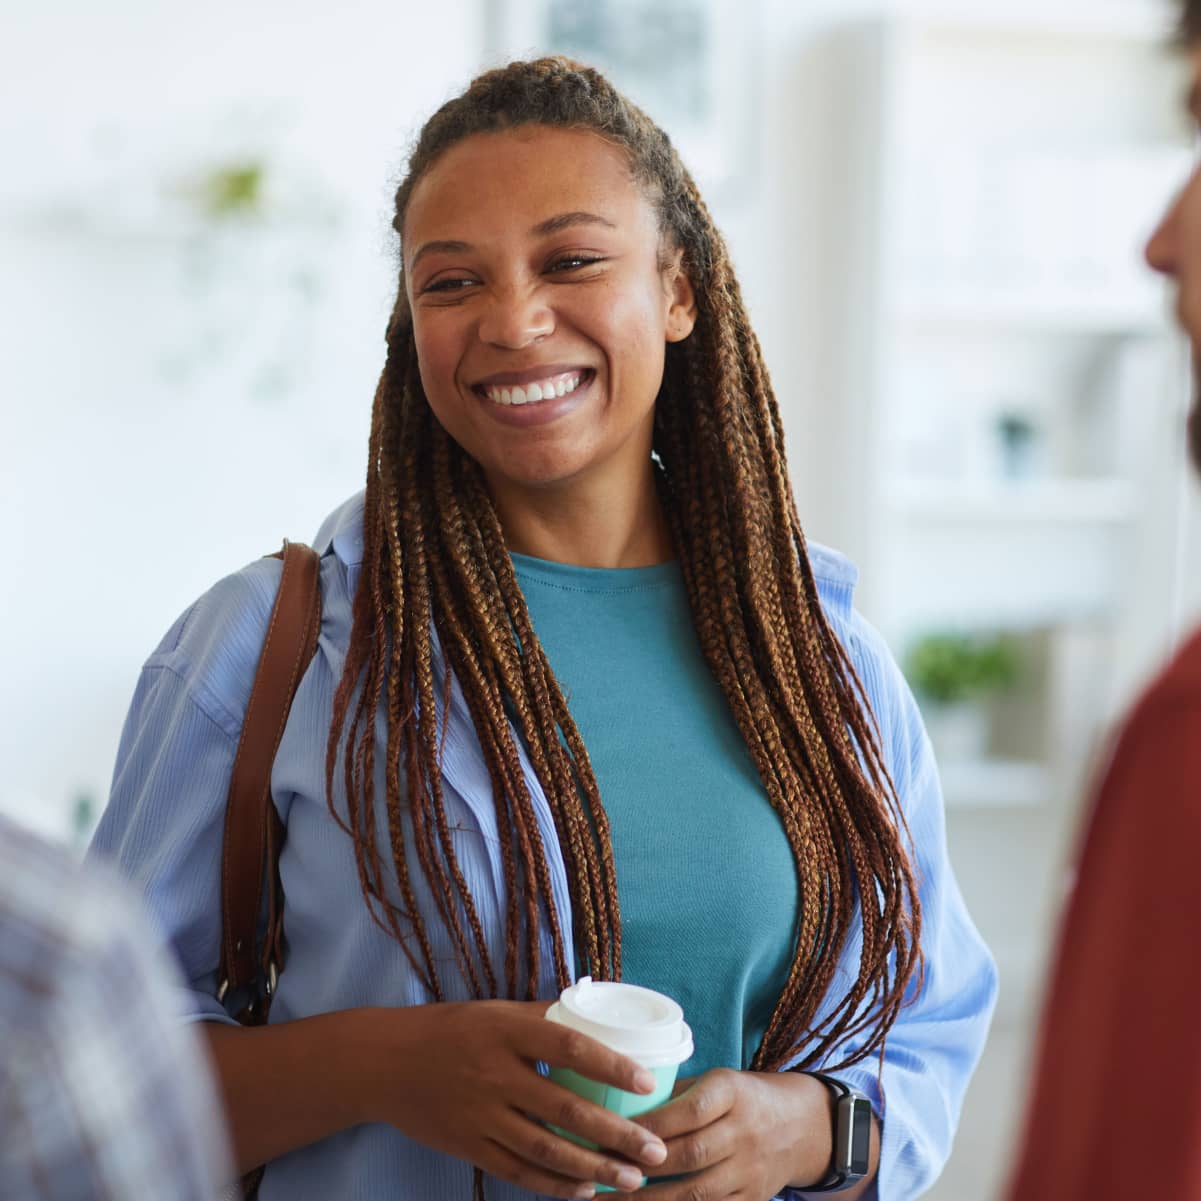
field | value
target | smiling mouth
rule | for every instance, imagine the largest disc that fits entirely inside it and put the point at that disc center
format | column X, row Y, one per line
column 550, row 388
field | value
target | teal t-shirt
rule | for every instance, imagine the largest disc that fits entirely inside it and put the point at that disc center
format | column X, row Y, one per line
column 705, row 877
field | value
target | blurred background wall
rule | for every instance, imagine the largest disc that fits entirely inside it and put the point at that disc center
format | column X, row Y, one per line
column 936, row 215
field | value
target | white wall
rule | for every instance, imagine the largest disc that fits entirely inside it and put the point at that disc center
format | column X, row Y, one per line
column 130, row 476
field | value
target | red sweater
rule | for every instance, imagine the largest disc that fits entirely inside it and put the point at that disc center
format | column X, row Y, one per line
column 1115, row 1107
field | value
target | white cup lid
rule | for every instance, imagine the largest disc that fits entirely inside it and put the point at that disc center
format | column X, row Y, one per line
column 639, row 1022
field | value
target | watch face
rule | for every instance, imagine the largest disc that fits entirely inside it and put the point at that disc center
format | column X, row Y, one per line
column 861, row 1136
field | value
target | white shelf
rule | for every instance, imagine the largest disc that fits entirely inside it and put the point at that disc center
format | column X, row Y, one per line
column 993, row 784
column 1032, row 312
column 1135, row 20
column 1062, row 501
column 159, row 229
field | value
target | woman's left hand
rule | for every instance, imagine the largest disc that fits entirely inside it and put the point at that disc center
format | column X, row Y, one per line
column 741, row 1136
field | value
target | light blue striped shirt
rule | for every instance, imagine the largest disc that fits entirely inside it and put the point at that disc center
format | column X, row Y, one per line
column 164, row 825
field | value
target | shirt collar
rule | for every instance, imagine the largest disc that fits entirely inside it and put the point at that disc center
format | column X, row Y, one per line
column 835, row 576
column 342, row 532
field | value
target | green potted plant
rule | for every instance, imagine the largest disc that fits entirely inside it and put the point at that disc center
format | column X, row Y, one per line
column 954, row 675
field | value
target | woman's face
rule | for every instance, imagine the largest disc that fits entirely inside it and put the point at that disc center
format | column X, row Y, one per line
column 541, row 308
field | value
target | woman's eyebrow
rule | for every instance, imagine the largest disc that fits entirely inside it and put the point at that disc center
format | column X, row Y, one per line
column 556, row 224
column 552, row 225
column 445, row 247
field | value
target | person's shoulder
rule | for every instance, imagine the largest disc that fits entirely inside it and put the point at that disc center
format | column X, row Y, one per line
column 1174, row 691
column 887, row 692
column 90, row 1000
column 341, row 533
column 1165, row 722
column 1147, row 800
column 55, row 911
column 1179, row 683
column 835, row 576
column 31, row 869
column 246, row 595
column 213, row 647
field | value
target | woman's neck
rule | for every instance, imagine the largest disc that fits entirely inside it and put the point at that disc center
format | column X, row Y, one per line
column 586, row 526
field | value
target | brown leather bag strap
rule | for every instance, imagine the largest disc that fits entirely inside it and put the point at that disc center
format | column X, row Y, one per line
column 253, row 834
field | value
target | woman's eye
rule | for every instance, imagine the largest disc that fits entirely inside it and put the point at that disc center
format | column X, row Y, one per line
column 448, row 285
column 573, row 262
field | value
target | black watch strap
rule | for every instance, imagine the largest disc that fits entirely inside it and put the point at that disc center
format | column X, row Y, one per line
column 852, row 1135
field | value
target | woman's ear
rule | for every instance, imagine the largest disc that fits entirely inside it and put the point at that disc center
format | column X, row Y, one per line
column 681, row 311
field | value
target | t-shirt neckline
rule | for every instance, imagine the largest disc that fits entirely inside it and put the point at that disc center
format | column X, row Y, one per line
column 595, row 579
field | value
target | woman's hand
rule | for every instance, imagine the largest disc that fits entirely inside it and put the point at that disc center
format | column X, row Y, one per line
column 460, row 1078
column 743, row 1135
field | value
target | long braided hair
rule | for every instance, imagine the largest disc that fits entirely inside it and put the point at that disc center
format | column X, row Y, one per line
column 438, row 597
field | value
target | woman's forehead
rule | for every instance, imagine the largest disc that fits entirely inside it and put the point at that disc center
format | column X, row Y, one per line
column 487, row 179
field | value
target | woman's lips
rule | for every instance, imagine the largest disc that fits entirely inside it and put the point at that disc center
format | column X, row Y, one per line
column 538, row 399
column 534, row 388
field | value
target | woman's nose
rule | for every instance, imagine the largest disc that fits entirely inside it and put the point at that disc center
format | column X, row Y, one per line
column 1161, row 251
column 514, row 319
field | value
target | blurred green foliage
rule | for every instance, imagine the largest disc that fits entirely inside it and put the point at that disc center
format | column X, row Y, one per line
column 947, row 667
column 235, row 190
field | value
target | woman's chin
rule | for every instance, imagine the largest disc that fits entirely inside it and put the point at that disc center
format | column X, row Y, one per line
column 531, row 475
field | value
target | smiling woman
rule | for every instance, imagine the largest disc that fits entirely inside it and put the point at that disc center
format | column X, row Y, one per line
column 584, row 703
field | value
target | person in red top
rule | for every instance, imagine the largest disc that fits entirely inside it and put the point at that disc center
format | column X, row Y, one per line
column 1115, row 1106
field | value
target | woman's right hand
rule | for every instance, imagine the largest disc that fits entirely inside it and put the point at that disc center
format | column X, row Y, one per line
column 460, row 1077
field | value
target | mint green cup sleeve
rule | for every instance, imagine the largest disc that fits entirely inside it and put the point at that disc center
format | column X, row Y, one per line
column 616, row 1100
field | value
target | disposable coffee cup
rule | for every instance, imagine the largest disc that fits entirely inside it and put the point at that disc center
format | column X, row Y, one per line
column 642, row 1024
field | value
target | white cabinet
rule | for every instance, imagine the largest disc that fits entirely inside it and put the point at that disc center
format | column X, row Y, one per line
column 1011, row 447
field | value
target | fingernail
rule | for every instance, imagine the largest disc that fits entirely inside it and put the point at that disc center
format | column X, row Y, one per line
column 629, row 1179
column 644, row 1082
column 653, row 1153
column 586, row 1192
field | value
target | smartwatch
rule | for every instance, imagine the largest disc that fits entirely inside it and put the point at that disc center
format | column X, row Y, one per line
column 852, row 1138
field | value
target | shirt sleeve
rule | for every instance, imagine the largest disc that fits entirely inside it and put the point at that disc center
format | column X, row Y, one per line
column 933, row 1047
column 110, row 1097
column 1116, row 1088
column 165, row 819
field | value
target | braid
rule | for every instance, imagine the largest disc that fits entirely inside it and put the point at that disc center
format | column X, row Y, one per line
column 439, row 591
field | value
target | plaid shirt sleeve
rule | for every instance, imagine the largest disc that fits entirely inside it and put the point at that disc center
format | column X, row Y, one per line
column 105, row 1094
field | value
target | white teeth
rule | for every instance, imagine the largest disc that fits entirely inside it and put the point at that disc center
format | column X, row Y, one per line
column 559, row 385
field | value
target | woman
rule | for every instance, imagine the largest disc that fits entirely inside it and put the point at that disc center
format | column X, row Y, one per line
column 583, row 702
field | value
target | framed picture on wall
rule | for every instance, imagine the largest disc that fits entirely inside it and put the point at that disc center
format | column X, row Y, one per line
column 691, row 64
